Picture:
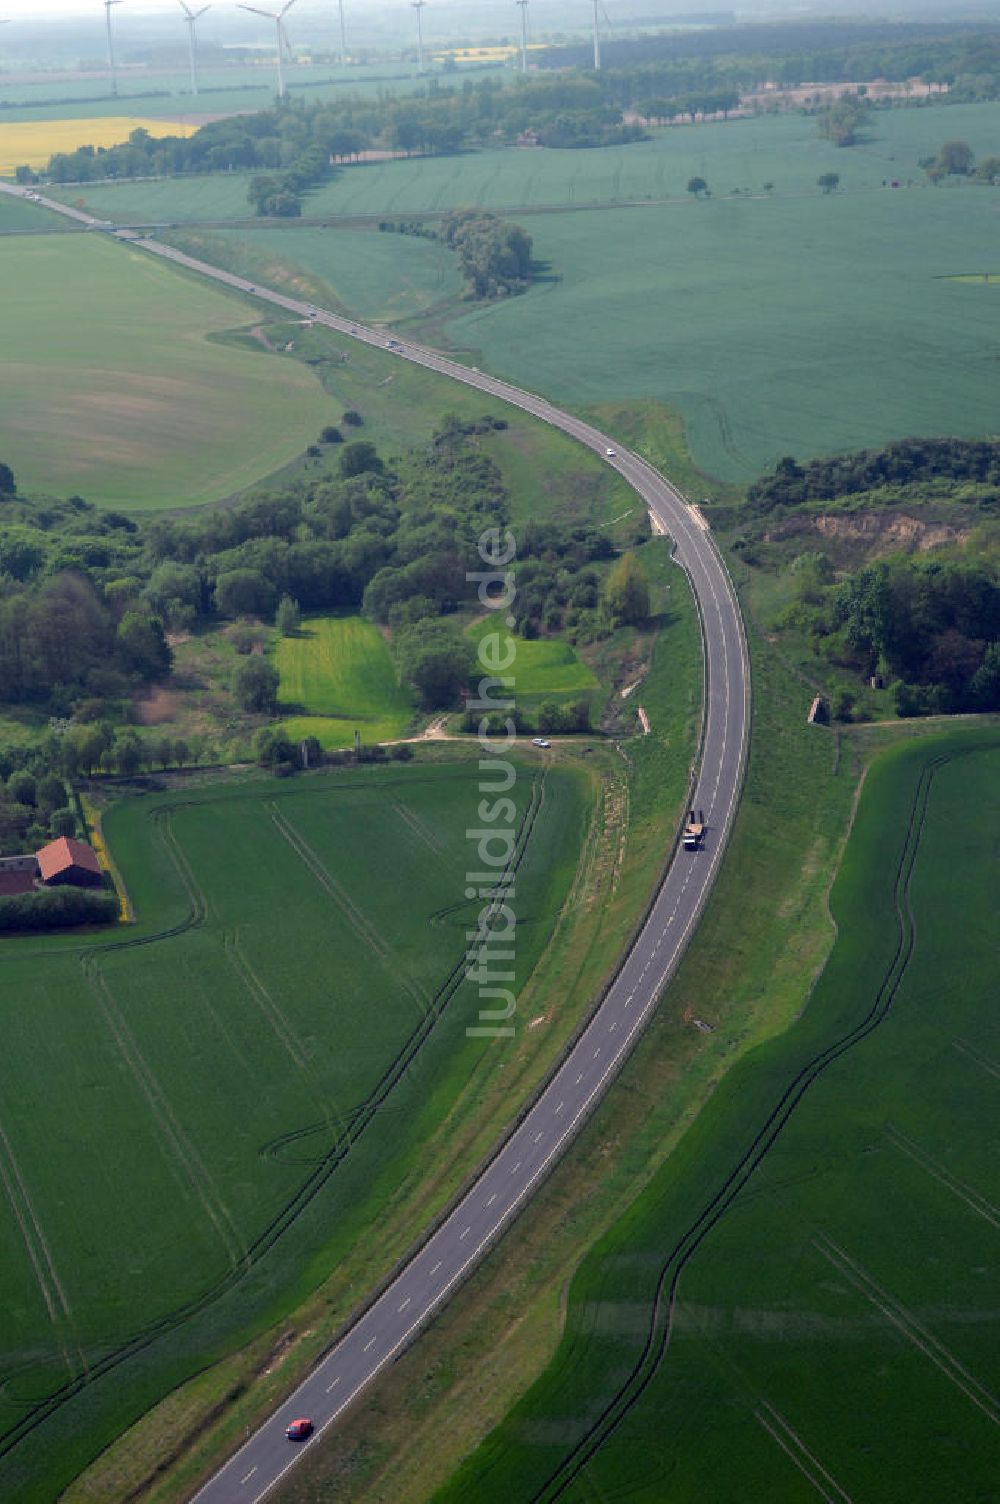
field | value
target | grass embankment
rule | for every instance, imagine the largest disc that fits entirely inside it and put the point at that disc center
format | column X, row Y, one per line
column 607, row 896
column 543, row 668
column 111, row 389
column 836, row 1330
column 376, row 277
column 339, row 671
column 233, row 1074
column 764, row 936
column 20, row 214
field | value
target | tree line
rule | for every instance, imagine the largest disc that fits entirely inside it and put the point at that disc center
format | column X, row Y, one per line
column 905, row 463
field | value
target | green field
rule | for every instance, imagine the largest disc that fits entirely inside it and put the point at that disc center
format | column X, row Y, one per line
column 774, row 322
column 833, row 1329
column 113, row 388
column 786, row 326
column 201, row 1116
column 741, row 155
column 338, row 673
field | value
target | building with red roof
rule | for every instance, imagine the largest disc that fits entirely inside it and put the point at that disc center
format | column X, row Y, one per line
column 68, row 861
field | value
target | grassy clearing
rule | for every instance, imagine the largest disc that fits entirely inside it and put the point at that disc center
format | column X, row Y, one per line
column 848, row 1295
column 293, row 981
column 543, row 668
column 339, row 671
column 111, row 388
column 32, row 143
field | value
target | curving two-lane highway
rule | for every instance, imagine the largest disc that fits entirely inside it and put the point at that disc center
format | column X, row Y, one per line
column 522, row 1160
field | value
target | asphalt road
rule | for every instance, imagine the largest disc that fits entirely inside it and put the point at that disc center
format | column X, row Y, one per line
column 523, row 1159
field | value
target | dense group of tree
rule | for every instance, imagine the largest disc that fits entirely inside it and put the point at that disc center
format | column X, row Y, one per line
column 85, row 603
column 927, row 626
column 494, row 253
column 956, row 159
column 795, row 51
column 906, row 463
column 57, row 908
column 925, row 623
column 33, row 803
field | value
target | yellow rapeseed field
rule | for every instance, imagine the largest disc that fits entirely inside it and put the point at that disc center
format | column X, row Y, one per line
column 486, row 54
column 32, row 142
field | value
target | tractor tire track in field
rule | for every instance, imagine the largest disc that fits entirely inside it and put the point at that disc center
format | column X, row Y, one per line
column 664, row 1300
column 39, row 1253
column 181, row 1152
column 285, row 1033
column 976, row 1203
column 905, row 1322
column 791, row 1443
column 320, row 1169
column 358, row 920
column 421, row 830
column 983, row 1061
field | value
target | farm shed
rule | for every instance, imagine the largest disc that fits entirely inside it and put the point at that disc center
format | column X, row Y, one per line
column 17, row 874
column 69, row 861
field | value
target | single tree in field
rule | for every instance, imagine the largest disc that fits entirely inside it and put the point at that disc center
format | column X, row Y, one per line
column 829, row 182
column 7, row 483
column 626, row 592
column 256, row 686
column 956, row 159
column 288, row 617
column 843, row 120
column 697, row 186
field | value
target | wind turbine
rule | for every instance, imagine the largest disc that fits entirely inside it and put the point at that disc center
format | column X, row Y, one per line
column 418, row 6
column 278, row 17
column 524, row 34
column 192, row 16
column 343, row 37
column 597, row 42
column 111, row 51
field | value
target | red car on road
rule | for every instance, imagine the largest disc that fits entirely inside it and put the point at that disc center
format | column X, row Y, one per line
column 299, row 1429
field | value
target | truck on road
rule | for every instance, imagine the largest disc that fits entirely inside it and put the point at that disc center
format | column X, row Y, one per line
column 693, row 831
